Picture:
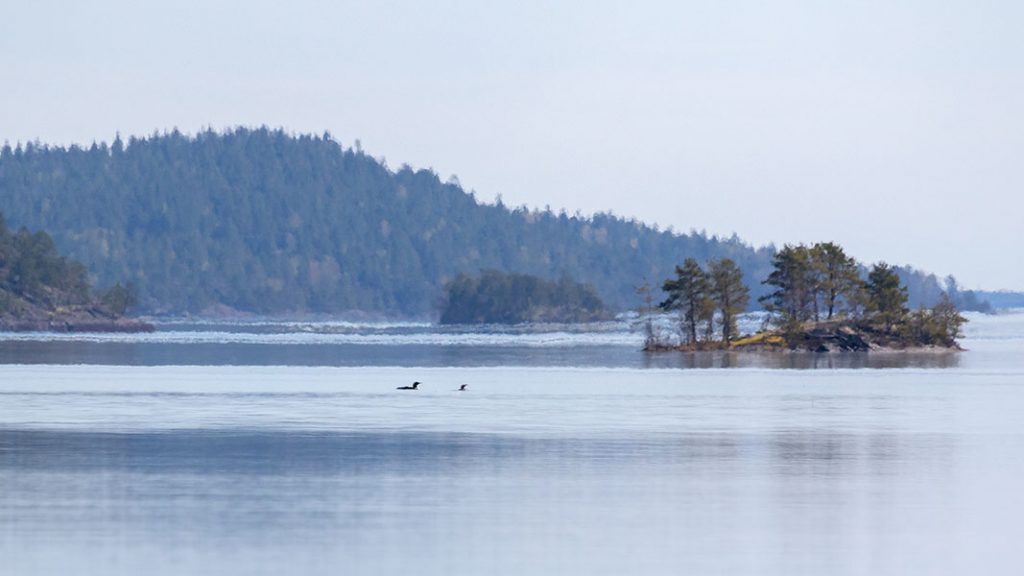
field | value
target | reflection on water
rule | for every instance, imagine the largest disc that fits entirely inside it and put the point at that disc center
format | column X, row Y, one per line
column 802, row 360
column 300, row 453
column 245, row 502
column 247, row 354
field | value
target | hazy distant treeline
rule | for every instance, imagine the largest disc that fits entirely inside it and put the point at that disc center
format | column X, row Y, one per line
column 267, row 222
column 497, row 297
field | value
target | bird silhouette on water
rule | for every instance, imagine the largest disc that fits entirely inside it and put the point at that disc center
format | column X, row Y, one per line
column 414, row 386
column 462, row 388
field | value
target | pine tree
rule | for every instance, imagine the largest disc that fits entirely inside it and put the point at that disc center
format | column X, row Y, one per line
column 839, row 277
column 794, row 279
column 729, row 293
column 887, row 299
column 946, row 321
column 688, row 294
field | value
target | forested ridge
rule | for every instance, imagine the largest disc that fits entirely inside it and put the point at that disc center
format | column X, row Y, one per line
column 263, row 221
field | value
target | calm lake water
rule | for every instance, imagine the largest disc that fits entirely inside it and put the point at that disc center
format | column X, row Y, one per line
column 283, row 448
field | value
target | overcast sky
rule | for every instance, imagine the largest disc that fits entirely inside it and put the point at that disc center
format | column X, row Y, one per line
column 893, row 128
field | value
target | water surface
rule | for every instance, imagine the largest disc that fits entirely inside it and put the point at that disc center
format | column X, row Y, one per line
column 541, row 467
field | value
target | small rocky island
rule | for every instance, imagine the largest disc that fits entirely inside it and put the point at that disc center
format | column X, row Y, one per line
column 820, row 303
column 850, row 336
column 40, row 290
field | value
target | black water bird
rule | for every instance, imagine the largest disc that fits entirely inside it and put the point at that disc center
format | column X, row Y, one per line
column 413, row 387
column 462, row 388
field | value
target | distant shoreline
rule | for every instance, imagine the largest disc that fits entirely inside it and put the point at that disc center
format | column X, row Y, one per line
column 76, row 323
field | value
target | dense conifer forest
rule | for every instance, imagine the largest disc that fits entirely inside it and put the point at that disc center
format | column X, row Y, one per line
column 262, row 221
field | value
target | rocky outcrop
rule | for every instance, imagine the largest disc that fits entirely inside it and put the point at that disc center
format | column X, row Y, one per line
column 81, row 319
column 842, row 339
column 833, row 337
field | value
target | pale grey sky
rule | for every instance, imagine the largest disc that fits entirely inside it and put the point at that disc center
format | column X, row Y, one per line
column 894, row 128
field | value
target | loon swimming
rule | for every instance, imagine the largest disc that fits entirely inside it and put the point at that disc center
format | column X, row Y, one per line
column 462, row 388
column 413, row 387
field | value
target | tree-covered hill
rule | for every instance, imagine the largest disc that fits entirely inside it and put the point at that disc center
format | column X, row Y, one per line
column 267, row 222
